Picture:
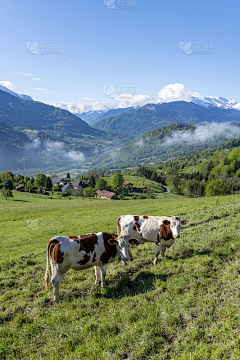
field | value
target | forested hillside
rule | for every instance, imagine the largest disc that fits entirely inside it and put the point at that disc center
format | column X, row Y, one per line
column 168, row 142
column 206, row 173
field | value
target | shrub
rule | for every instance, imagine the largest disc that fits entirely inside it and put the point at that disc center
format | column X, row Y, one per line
column 6, row 193
column 215, row 187
column 151, row 196
column 89, row 192
column 121, row 197
column 141, row 197
column 134, row 197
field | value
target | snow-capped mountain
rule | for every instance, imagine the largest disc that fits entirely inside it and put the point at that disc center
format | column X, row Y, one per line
column 178, row 92
column 20, row 96
column 96, row 110
column 219, row 102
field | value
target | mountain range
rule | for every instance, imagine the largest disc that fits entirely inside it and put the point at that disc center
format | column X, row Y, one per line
column 20, row 96
column 91, row 110
column 45, row 135
column 137, row 122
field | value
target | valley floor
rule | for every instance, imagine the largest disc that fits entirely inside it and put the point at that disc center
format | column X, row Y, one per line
column 186, row 307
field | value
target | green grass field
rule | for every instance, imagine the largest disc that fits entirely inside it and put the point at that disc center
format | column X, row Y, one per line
column 187, row 307
column 139, row 182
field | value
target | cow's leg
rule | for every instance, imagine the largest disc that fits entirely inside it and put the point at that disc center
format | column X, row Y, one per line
column 56, row 282
column 97, row 274
column 157, row 252
column 163, row 251
column 103, row 270
column 53, row 269
column 130, row 255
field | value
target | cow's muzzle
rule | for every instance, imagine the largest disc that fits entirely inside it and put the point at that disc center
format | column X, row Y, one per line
column 124, row 261
column 176, row 236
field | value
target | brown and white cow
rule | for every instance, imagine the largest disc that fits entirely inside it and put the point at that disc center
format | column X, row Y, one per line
column 82, row 252
column 161, row 230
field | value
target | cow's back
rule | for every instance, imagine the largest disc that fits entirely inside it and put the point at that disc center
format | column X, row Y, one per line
column 139, row 226
column 82, row 252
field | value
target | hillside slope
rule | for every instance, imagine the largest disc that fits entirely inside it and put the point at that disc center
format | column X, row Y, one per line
column 10, row 137
column 162, row 144
column 186, row 307
column 36, row 115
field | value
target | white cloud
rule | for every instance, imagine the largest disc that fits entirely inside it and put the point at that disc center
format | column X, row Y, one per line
column 29, row 75
column 89, row 99
column 24, row 74
column 40, row 89
column 75, row 156
column 139, row 143
column 82, row 106
column 202, row 133
column 9, row 85
column 52, row 147
column 46, row 91
column 169, row 93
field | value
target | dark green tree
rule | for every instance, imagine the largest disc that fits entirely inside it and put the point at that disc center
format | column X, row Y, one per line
column 40, row 180
column 117, row 182
column 92, row 181
column 101, row 184
column 8, row 184
column 7, row 193
column 48, row 184
column 235, row 166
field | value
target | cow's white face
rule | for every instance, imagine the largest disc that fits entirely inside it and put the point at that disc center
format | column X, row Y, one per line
column 175, row 223
column 123, row 246
column 175, row 226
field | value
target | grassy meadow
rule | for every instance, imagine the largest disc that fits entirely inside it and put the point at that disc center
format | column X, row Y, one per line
column 187, row 307
column 139, row 182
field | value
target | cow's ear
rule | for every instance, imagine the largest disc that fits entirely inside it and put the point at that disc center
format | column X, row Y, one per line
column 166, row 222
column 133, row 241
column 112, row 241
column 184, row 222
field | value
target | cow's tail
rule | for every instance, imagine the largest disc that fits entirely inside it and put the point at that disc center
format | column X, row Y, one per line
column 47, row 274
column 119, row 226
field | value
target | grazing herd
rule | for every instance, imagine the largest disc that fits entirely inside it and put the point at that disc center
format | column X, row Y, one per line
column 101, row 249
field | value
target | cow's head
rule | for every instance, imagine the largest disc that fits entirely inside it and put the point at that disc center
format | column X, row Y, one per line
column 122, row 245
column 175, row 223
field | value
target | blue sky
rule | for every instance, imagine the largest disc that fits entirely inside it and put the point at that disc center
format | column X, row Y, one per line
column 128, row 47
